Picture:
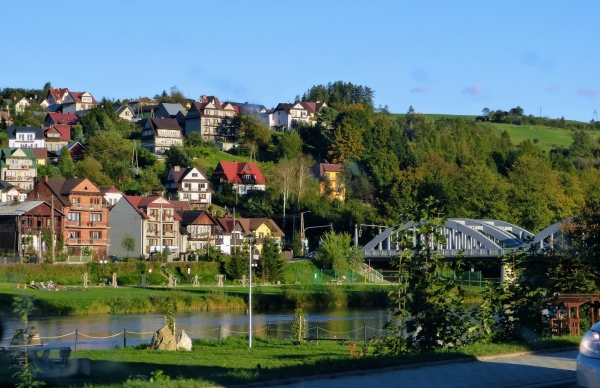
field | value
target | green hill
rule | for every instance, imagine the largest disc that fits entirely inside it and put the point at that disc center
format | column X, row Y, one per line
column 546, row 137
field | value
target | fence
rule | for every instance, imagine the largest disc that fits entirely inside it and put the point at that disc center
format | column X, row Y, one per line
column 269, row 332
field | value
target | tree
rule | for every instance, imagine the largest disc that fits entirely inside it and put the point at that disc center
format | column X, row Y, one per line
column 336, row 253
column 239, row 263
column 290, row 145
column 193, row 139
column 175, row 156
column 128, row 244
column 284, row 179
column 65, row 164
column 270, row 265
column 92, row 169
column 149, row 182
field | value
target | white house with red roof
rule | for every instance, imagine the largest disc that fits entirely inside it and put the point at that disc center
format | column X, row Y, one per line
column 244, row 176
column 78, row 101
column 285, row 116
column 111, row 195
column 151, row 221
column 189, row 184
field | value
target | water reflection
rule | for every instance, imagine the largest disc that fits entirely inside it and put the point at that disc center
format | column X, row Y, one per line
column 106, row 331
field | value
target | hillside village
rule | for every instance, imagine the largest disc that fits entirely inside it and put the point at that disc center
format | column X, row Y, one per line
column 89, row 220
column 184, row 178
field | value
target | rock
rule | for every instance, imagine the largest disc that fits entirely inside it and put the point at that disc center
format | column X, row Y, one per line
column 163, row 339
column 184, row 342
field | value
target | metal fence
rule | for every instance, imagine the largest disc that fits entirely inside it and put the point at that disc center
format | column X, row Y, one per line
column 268, row 332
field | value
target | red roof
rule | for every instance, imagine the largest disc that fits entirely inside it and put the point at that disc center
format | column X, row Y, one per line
column 58, row 94
column 63, row 118
column 233, row 171
column 77, row 96
column 64, row 130
column 140, row 203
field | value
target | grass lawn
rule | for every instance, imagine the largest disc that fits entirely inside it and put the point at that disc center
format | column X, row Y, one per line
column 548, row 137
column 220, row 156
column 231, row 363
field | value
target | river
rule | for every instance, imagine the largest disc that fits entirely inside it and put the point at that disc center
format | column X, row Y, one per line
column 107, row 331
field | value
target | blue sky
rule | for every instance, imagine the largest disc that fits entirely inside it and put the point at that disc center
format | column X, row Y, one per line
column 454, row 57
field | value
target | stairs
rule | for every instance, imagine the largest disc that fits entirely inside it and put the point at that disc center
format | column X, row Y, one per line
column 170, row 275
column 371, row 274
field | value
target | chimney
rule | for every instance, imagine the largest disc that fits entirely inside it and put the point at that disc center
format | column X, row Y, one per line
column 176, row 168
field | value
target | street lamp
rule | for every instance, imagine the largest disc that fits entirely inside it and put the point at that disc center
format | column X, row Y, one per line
column 250, row 238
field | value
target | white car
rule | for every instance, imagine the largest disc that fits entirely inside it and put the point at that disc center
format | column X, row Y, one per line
column 588, row 360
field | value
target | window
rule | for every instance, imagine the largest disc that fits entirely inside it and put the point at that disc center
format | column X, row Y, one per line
column 75, row 201
column 95, row 217
column 202, row 196
column 194, row 175
column 186, row 185
column 202, row 185
column 74, row 234
column 95, row 201
column 95, row 234
column 86, row 99
column 73, row 216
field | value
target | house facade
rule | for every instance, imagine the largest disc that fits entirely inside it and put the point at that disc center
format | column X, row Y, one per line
column 237, row 230
column 211, row 119
column 56, row 96
column 124, row 113
column 78, row 101
column 111, row 195
column 151, row 221
column 245, row 177
column 160, row 134
column 20, row 105
column 56, row 118
column 11, row 193
column 26, row 137
column 87, row 224
column 189, row 184
column 18, row 167
column 57, row 136
column 203, row 230
column 285, row 116
column 331, row 183
column 22, row 225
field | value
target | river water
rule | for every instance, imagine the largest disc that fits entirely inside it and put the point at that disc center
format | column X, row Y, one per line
column 109, row 331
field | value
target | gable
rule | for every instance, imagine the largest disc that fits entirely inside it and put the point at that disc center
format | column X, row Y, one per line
column 19, row 152
column 86, row 186
column 194, row 170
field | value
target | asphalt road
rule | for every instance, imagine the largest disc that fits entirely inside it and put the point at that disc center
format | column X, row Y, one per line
column 528, row 371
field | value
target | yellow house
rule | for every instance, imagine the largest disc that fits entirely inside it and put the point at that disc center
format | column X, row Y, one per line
column 330, row 180
column 238, row 228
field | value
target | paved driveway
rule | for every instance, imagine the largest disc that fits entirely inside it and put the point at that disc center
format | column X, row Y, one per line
column 539, row 370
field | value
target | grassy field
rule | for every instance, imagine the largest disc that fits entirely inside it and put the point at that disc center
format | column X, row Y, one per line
column 219, row 156
column 232, row 363
column 547, row 137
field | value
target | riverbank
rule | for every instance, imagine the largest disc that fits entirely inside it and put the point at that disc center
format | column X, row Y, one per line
column 138, row 300
column 232, row 363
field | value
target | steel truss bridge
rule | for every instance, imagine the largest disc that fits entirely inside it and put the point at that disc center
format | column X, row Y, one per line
column 476, row 239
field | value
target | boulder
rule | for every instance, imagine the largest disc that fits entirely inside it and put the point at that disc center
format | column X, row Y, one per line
column 184, row 342
column 163, row 339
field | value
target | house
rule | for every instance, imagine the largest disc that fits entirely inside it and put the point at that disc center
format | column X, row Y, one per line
column 285, row 116
column 160, row 134
column 41, row 155
column 239, row 228
column 189, row 184
column 87, row 224
column 211, row 119
column 331, row 183
column 77, row 101
column 26, row 137
column 202, row 229
column 77, row 151
column 11, row 193
column 124, row 113
column 56, row 118
column 248, row 109
column 6, row 117
column 244, row 176
column 143, row 107
column 111, row 195
column 18, row 166
column 56, row 96
column 151, row 221
column 20, row 104
column 168, row 110
column 22, row 225
column 57, row 136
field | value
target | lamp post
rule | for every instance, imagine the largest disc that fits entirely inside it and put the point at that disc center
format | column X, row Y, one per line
column 250, row 238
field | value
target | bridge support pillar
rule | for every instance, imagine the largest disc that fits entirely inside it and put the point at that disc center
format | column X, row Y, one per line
column 507, row 273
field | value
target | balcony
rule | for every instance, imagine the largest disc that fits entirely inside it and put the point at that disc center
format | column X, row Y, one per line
column 87, row 241
column 73, row 223
column 19, row 166
column 88, row 206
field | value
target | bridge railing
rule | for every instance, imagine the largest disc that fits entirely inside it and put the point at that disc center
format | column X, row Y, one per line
column 371, row 253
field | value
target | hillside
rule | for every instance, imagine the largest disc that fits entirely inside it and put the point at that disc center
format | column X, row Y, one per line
column 546, row 137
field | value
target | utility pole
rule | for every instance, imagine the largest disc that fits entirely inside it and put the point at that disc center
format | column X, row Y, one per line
column 161, row 226
column 233, row 231
column 52, row 232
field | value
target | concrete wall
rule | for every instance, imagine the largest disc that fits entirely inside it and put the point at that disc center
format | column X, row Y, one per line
column 125, row 219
